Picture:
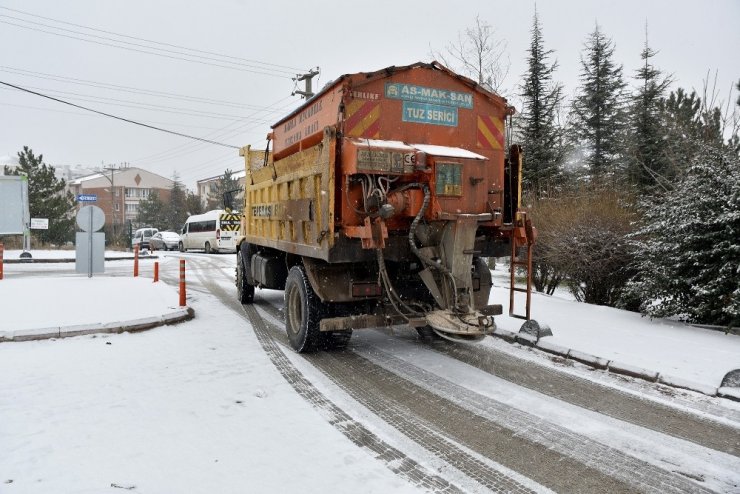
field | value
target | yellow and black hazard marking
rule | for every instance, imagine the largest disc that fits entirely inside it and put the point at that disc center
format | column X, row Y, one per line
column 230, row 222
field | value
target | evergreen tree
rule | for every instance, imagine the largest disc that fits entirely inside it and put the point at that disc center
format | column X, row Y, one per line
column 193, row 204
column 648, row 164
column 690, row 127
column 152, row 212
column 46, row 197
column 598, row 110
column 176, row 211
column 227, row 187
column 688, row 257
column 540, row 137
column 681, row 115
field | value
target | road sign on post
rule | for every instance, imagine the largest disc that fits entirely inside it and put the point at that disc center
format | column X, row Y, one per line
column 90, row 245
column 39, row 223
column 87, row 197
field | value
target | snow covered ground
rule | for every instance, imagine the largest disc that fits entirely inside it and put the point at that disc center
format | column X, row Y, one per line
column 199, row 407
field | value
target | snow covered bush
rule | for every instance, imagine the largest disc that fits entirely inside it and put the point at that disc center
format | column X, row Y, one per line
column 583, row 241
column 688, row 245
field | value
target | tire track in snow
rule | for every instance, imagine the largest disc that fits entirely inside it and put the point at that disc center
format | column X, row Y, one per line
column 394, row 459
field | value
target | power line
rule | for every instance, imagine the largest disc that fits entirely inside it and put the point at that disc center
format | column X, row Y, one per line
column 121, row 88
column 165, row 50
column 186, row 150
column 121, row 118
column 80, row 114
column 152, row 41
column 139, row 106
column 144, row 51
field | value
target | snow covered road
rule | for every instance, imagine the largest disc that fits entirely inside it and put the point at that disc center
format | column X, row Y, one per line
column 222, row 404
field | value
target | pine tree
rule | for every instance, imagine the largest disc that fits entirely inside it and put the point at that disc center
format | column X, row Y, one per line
column 540, row 137
column 226, row 188
column 688, row 258
column 681, row 114
column 690, row 126
column 152, row 212
column 648, row 165
column 47, row 197
column 193, row 204
column 598, row 110
column 176, row 209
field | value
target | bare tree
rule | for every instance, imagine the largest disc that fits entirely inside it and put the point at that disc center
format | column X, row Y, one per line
column 479, row 54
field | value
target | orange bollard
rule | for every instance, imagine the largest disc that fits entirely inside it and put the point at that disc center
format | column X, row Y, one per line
column 2, row 253
column 182, row 282
column 156, row 271
column 136, row 261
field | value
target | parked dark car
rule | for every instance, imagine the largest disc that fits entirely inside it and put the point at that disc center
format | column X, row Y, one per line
column 164, row 241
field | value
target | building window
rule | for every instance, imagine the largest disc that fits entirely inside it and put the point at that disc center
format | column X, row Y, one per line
column 118, row 207
column 135, row 193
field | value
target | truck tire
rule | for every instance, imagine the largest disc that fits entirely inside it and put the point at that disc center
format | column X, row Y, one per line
column 181, row 246
column 303, row 312
column 336, row 340
column 427, row 334
column 208, row 247
column 244, row 289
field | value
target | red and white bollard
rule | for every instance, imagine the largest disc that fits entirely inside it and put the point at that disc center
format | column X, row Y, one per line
column 182, row 283
column 156, row 271
column 2, row 253
column 136, row 261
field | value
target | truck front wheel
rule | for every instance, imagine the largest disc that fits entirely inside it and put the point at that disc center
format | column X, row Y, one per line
column 303, row 311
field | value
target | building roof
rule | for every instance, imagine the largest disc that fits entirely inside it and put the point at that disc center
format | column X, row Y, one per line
column 131, row 172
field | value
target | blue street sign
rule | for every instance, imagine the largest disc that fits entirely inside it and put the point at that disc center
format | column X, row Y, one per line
column 87, row 197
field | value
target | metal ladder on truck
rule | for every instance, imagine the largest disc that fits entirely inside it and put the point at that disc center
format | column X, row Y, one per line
column 523, row 236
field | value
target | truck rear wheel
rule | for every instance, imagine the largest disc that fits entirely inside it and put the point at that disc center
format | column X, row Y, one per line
column 208, row 247
column 427, row 334
column 244, row 289
column 303, row 312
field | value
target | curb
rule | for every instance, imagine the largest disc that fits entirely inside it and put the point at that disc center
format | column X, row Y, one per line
column 616, row 367
column 724, row 329
column 68, row 260
column 132, row 326
column 729, row 393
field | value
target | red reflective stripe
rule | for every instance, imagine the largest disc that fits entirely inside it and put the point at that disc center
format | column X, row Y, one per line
column 373, row 130
column 359, row 115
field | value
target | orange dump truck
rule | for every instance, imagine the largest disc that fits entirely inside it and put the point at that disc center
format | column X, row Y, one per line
column 379, row 199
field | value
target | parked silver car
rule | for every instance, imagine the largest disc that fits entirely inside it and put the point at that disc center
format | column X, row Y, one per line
column 164, row 241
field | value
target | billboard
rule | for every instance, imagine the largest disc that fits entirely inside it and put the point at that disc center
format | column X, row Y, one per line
column 14, row 215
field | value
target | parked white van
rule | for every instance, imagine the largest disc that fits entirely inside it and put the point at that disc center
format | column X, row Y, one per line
column 141, row 237
column 214, row 231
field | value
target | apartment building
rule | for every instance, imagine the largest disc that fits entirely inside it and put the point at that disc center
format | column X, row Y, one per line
column 119, row 191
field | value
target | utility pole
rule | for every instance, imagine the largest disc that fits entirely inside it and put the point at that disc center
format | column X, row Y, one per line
column 307, row 93
column 112, row 201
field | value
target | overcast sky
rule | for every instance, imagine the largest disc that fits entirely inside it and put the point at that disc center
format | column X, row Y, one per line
column 273, row 40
